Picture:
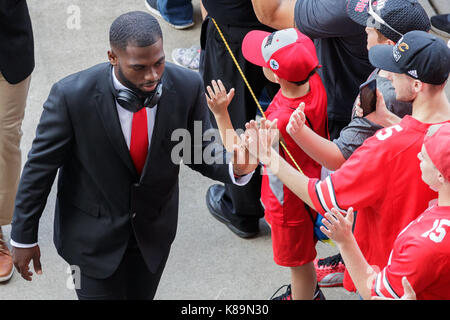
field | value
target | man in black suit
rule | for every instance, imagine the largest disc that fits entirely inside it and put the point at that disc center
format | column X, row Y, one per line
column 117, row 202
column 16, row 66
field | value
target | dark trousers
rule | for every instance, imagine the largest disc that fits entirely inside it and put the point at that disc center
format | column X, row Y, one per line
column 131, row 281
column 216, row 63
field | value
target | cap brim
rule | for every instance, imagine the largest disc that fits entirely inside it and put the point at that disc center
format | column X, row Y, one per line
column 380, row 56
column 252, row 47
column 360, row 17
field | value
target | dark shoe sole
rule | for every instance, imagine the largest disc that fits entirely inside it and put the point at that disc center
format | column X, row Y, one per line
column 220, row 218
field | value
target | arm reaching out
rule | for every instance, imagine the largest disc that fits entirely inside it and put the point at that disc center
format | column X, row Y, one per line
column 218, row 102
column 339, row 229
column 278, row 14
column 409, row 293
column 259, row 143
column 319, row 149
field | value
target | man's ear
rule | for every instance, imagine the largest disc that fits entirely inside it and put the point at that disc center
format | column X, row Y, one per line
column 112, row 58
column 418, row 85
column 390, row 42
column 277, row 78
column 441, row 178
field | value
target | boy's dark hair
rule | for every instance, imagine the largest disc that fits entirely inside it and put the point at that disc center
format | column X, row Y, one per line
column 299, row 83
column 135, row 28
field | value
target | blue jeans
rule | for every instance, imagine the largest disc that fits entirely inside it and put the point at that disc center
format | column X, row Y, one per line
column 177, row 12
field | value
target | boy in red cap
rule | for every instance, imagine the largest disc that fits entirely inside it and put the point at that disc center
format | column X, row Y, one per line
column 421, row 252
column 288, row 58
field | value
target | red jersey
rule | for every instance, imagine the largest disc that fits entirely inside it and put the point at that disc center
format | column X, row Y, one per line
column 421, row 253
column 282, row 206
column 382, row 182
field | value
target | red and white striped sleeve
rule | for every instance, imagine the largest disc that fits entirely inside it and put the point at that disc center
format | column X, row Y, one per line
column 323, row 195
column 383, row 288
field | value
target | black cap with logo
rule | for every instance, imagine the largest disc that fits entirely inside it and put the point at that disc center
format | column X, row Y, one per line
column 392, row 18
column 418, row 54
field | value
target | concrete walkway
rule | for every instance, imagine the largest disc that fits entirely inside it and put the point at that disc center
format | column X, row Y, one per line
column 207, row 261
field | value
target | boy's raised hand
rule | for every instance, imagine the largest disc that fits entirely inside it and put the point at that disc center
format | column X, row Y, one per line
column 296, row 121
column 218, row 99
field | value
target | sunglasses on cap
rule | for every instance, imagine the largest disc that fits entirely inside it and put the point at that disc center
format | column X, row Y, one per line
column 377, row 18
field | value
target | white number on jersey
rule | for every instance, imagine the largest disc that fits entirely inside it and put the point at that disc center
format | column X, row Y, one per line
column 385, row 133
column 438, row 232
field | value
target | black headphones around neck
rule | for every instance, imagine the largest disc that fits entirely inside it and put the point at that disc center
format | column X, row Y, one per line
column 130, row 101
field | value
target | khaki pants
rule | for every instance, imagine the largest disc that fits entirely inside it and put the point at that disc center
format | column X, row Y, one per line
column 12, row 109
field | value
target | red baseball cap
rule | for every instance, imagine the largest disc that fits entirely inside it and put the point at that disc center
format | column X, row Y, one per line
column 437, row 145
column 288, row 53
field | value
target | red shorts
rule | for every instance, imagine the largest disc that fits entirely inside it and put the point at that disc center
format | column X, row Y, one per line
column 293, row 246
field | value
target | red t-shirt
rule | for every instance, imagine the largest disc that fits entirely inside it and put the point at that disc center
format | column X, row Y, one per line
column 282, row 206
column 382, row 182
column 422, row 254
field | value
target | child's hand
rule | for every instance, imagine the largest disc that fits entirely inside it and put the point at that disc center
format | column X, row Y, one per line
column 259, row 140
column 338, row 228
column 296, row 121
column 218, row 99
column 250, row 138
column 273, row 134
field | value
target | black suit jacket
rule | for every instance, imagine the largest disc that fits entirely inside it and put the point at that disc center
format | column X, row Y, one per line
column 16, row 41
column 101, row 198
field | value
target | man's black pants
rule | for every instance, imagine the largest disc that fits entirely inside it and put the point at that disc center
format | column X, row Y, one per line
column 131, row 281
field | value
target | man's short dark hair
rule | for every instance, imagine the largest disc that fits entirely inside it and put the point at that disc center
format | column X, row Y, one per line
column 134, row 28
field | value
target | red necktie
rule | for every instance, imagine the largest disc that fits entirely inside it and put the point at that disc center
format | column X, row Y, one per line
column 139, row 139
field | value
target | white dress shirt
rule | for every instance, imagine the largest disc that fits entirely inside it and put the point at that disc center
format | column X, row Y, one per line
column 126, row 119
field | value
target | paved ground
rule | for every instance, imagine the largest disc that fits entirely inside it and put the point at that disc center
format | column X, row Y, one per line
column 207, row 261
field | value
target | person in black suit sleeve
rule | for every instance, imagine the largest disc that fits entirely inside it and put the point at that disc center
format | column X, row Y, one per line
column 115, row 224
column 16, row 66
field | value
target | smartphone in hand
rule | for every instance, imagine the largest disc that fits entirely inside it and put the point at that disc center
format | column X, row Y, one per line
column 368, row 96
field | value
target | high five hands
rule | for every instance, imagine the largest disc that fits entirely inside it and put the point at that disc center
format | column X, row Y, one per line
column 260, row 139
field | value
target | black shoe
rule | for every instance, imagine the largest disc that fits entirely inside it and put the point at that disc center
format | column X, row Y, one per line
column 441, row 24
column 318, row 295
column 213, row 202
column 287, row 295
